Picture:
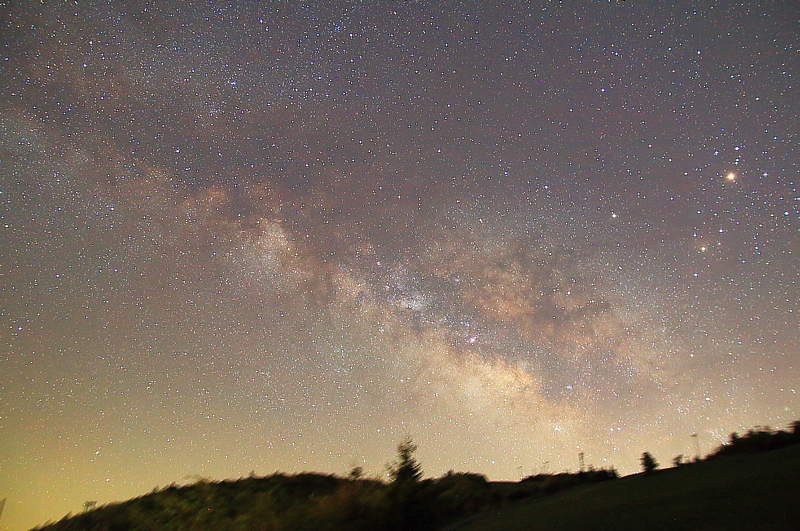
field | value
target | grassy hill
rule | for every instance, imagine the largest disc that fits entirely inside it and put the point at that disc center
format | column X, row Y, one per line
column 296, row 502
column 753, row 482
column 745, row 491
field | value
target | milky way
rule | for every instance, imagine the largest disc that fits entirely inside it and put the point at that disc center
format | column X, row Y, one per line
column 286, row 236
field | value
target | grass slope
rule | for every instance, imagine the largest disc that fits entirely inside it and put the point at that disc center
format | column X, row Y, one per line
column 760, row 491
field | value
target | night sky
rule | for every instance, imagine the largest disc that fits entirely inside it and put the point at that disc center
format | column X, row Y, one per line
column 284, row 236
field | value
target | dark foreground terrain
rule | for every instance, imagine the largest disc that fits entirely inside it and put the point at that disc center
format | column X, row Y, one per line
column 752, row 482
column 744, row 491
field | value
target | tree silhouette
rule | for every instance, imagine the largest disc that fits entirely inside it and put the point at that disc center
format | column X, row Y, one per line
column 649, row 463
column 406, row 502
column 406, row 469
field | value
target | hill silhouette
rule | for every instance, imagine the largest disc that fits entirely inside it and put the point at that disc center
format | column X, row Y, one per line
column 753, row 479
column 751, row 482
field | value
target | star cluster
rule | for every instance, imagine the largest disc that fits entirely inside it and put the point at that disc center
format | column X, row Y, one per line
column 286, row 235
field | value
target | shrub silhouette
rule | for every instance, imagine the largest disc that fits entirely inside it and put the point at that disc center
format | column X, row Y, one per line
column 460, row 493
column 758, row 439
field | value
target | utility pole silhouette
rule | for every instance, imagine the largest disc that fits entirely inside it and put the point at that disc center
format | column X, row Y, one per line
column 580, row 460
column 696, row 446
column 2, row 505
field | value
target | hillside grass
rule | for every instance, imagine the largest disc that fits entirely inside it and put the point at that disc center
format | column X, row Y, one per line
column 751, row 482
column 756, row 491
